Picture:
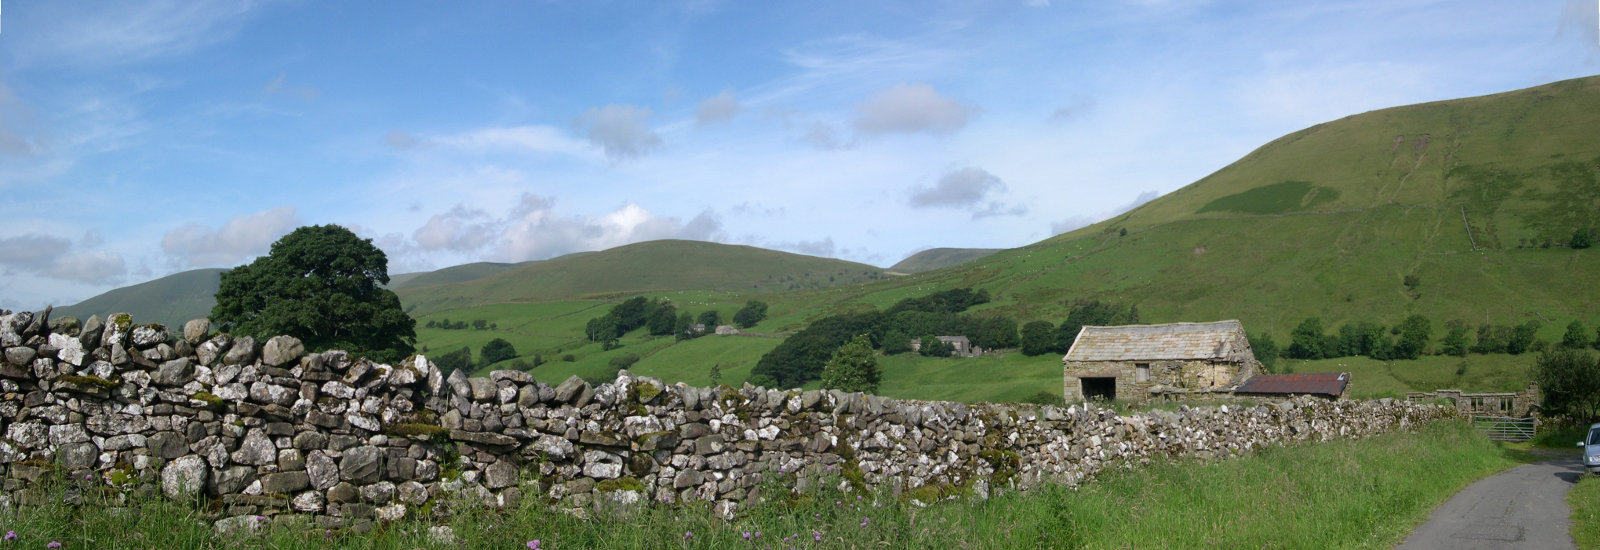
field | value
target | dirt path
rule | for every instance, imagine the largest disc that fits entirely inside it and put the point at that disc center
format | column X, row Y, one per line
column 1521, row 508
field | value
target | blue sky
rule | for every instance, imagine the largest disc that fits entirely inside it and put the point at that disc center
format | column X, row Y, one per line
column 142, row 139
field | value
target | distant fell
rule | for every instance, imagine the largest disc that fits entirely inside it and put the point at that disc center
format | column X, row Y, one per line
column 940, row 258
column 171, row 300
column 453, row 274
column 642, row 267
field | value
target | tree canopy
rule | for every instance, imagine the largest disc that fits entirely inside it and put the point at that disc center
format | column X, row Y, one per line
column 852, row 367
column 323, row 285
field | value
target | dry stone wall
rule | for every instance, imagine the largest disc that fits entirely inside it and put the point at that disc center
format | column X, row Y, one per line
column 265, row 430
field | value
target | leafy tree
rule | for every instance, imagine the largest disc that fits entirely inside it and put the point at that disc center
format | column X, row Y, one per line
column 1265, row 350
column 896, row 342
column 1582, row 238
column 1577, row 336
column 568, row 358
column 495, row 351
column 1455, row 341
column 1090, row 313
column 852, row 367
column 932, row 346
column 993, row 332
column 800, row 357
column 453, row 361
column 1414, row 333
column 480, row 324
column 1522, row 337
column 1361, row 338
column 710, row 319
column 684, row 328
column 1038, row 338
column 752, row 312
column 1306, row 340
column 663, row 320
column 1492, row 339
column 603, row 328
column 323, row 285
column 1569, row 380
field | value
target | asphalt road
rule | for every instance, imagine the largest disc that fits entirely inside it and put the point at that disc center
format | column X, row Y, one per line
column 1521, row 508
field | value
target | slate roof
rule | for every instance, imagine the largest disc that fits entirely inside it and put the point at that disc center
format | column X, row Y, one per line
column 1314, row 383
column 1175, row 341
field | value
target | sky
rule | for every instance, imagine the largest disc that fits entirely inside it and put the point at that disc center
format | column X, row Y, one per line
column 140, row 139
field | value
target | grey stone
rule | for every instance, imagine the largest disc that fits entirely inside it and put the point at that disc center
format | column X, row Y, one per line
column 168, row 445
column 176, row 372
column 571, row 389
column 309, row 501
column 500, row 475
column 68, row 349
column 281, row 350
column 20, row 355
column 195, row 331
column 485, row 438
column 686, row 479
column 324, row 473
column 185, row 477
column 483, row 389
column 458, row 383
column 285, row 482
column 92, row 330
column 262, row 392
column 378, row 493
column 411, row 492
column 256, row 450
column 343, row 492
column 148, row 336
column 78, row 455
column 242, row 352
column 232, row 480
column 212, row 349
column 361, row 465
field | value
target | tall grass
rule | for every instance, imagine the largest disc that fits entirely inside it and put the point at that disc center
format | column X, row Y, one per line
column 1342, row 494
column 1585, row 502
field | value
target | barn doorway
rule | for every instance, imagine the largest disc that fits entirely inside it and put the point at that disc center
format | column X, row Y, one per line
column 1100, row 389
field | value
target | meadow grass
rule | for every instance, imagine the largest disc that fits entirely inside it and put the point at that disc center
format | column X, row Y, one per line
column 1371, row 378
column 1585, row 502
column 1339, row 494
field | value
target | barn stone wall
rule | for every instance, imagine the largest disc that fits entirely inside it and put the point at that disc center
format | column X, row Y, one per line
column 266, row 430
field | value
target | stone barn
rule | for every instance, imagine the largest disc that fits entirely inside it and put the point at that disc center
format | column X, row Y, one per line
column 1135, row 362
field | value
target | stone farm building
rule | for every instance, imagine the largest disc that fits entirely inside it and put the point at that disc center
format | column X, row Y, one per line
column 960, row 346
column 1137, row 362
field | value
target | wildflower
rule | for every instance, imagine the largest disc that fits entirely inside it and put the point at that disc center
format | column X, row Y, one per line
column 11, row 535
column 53, row 544
column 533, row 544
column 863, row 522
column 758, row 534
column 688, row 535
column 816, row 536
column 746, row 535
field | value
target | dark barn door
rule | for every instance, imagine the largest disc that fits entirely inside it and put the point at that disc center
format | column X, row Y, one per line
column 1100, row 389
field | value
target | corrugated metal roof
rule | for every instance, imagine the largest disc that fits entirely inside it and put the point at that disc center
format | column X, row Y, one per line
column 1156, row 342
column 1317, row 383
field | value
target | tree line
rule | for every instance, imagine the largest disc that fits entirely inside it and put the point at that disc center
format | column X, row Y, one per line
column 801, row 357
column 1041, row 337
column 661, row 318
column 447, row 324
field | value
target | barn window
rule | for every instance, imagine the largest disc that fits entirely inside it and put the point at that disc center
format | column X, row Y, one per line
column 1143, row 374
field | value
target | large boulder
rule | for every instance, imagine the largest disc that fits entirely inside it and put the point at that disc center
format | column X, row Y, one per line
column 281, row 350
column 176, row 372
column 361, row 465
column 185, row 477
column 195, row 332
column 242, row 352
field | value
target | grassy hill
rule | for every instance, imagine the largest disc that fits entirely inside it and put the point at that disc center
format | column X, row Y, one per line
column 453, row 274
column 939, row 258
column 642, row 267
column 172, row 300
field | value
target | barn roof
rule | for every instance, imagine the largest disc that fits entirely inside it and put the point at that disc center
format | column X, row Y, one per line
column 1174, row 341
column 1315, row 383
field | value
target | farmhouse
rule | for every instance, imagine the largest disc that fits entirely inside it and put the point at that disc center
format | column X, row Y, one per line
column 1136, row 362
column 960, row 346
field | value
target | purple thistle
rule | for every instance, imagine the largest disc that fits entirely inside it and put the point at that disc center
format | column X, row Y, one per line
column 533, row 544
column 11, row 535
column 863, row 522
column 688, row 535
column 746, row 535
column 53, row 544
column 816, row 536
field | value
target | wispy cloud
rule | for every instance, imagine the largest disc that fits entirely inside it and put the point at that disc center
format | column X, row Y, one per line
column 54, row 257
column 117, row 33
column 517, row 139
column 718, row 108
column 243, row 237
column 621, row 130
column 535, row 229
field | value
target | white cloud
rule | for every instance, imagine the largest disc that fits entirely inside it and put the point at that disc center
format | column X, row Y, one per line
column 116, row 33
column 242, row 237
column 718, row 108
column 959, row 189
column 535, row 230
column 824, row 247
column 620, row 130
column 913, row 108
column 53, row 257
column 534, row 139
column 460, row 230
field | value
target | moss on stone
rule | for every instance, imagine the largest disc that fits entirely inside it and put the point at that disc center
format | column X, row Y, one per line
column 208, row 397
column 121, row 321
column 935, row 492
column 410, row 429
column 88, row 381
column 619, row 484
column 1005, row 464
column 645, row 391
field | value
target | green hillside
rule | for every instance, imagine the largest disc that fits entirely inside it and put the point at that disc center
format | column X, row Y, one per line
column 642, row 267
column 453, row 274
column 172, row 300
column 940, row 258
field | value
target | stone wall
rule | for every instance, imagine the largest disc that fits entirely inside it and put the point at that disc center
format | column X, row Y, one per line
column 264, row 429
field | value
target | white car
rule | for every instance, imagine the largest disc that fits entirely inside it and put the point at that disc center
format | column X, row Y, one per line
column 1591, row 450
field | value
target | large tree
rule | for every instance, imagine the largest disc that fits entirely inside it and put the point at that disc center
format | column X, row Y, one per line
column 1569, row 380
column 323, row 285
column 853, row 367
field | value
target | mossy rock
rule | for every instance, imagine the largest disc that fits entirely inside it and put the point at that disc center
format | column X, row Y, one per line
column 619, row 484
column 88, row 381
column 207, row 397
column 417, row 429
column 121, row 321
column 645, row 391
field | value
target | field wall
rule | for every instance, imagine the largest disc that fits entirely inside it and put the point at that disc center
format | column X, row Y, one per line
column 263, row 431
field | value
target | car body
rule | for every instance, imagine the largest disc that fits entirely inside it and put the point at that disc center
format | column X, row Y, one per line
column 1591, row 450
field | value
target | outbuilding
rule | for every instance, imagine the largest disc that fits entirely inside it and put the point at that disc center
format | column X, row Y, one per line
column 1135, row 362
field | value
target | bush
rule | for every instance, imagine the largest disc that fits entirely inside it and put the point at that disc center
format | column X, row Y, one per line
column 853, row 367
column 495, row 351
column 568, row 358
column 1038, row 338
column 624, row 361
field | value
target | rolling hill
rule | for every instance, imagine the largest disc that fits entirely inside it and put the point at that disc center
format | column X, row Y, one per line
column 939, row 258
column 642, row 267
column 171, row 300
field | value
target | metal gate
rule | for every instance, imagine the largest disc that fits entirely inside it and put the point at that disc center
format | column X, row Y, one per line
column 1505, row 428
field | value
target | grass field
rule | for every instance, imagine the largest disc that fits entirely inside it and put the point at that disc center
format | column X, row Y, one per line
column 1340, row 494
column 1585, row 502
column 1371, row 378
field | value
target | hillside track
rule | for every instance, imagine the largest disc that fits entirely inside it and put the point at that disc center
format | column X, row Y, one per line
column 1521, row 508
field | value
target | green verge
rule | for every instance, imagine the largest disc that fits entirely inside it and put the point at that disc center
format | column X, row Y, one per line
column 1585, row 502
column 1340, row 494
